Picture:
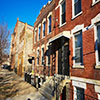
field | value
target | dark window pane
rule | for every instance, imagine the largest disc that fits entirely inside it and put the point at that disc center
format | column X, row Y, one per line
column 80, row 94
column 78, row 47
column 98, row 40
column 49, row 24
column 42, row 56
column 77, row 6
column 63, row 16
column 39, row 31
column 44, row 29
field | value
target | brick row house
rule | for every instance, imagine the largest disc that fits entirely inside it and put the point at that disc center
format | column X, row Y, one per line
column 66, row 42
column 65, row 50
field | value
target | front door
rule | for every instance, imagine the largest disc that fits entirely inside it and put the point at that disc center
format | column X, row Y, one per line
column 63, row 56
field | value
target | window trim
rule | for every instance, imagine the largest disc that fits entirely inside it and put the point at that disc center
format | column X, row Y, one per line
column 50, row 14
column 73, row 11
column 44, row 20
column 75, row 92
column 96, row 52
column 47, row 56
column 37, row 56
column 94, row 2
column 94, row 21
column 61, row 2
column 42, row 53
column 74, row 32
column 35, row 36
column 39, row 26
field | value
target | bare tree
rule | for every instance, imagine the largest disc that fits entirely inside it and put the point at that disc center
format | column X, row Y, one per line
column 4, row 42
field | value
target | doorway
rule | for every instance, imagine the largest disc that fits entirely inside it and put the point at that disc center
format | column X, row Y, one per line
column 63, row 56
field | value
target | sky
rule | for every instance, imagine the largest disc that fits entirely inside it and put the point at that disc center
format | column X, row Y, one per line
column 25, row 10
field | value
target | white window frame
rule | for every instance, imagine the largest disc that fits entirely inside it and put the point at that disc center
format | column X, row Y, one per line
column 47, row 56
column 99, row 96
column 44, row 20
column 42, row 53
column 38, row 49
column 38, row 31
column 75, row 30
column 94, row 21
column 35, row 36
column 61, row 2
column 73, row 13
column 78, row 84
column 97, row 58
column 50, row 14
column 95, row 2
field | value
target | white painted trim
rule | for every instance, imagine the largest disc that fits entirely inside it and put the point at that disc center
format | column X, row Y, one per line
column 99, row 96
column 47, row 56
column 44, row 20
column 36, row 29
column 73, row 31
column 85, row 80
column 79, row 84
column 50, row 14
column 42, row 46
column 97, row 88
column 73, row 13
column 57, row 7
column 60, row 3
column 95, row 20
column 38, row 32
column 77, row 15
column 94, row 2
column 35, row 36
column 77, row 28
column 42, row 52
column 64, row 33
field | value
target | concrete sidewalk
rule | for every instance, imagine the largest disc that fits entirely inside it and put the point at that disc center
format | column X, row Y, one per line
column 12, row 87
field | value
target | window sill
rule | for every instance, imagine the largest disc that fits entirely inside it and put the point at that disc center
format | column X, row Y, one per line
column 78, row 66
column 94, row 3
column 97, row 66
column 77, row 15
column 62, row 24
column 49, row 33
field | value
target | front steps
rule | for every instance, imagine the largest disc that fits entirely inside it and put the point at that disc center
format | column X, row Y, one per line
column 48, row 89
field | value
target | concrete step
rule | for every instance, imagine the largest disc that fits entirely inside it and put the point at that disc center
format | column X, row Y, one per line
column 46, row 94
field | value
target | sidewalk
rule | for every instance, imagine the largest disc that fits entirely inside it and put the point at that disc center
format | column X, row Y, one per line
column 12, row 87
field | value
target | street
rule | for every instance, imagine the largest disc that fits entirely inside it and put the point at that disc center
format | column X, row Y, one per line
column 12, row 87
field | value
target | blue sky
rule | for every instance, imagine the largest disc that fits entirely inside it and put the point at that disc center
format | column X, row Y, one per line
column 26, row 10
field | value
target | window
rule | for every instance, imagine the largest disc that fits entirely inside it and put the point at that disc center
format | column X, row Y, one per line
column 63, row 12
column 37, row 57
column 49, row 24
column 42, row 56
column 78, row 48
column 98, row 41
column 44, row 29
column 39, row 33
column 48, row 55
column 77, row 7
column 35, row 37
column 79, row 94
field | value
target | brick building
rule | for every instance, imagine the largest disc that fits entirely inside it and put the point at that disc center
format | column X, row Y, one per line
column 21, row 47
column 43, row 31
column 74, row 45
